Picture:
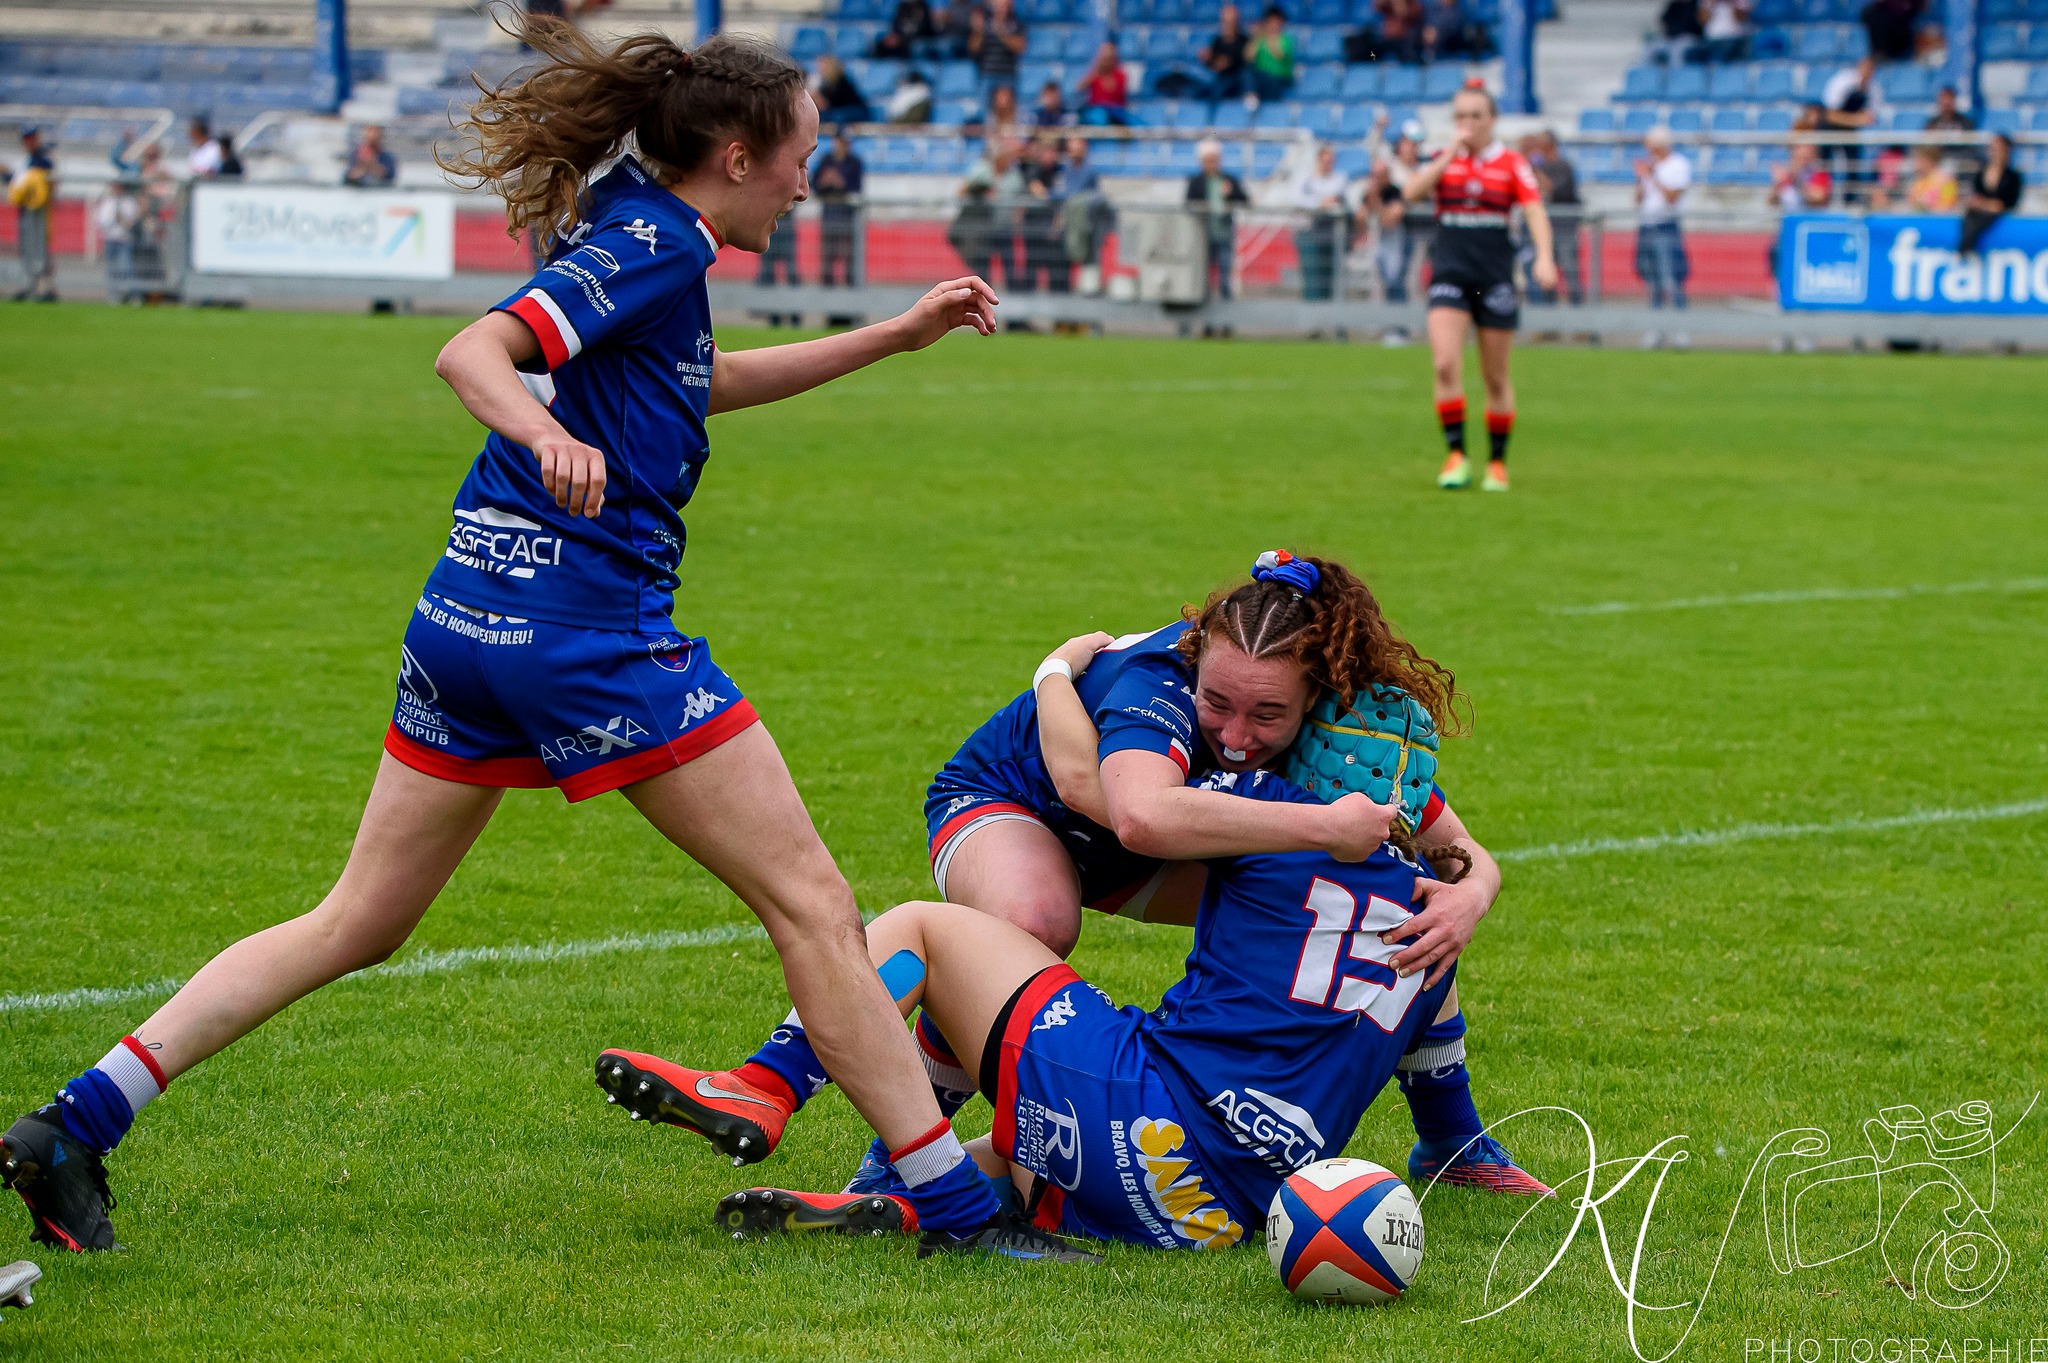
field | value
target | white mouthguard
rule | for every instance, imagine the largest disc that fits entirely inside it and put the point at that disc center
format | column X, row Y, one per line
column 1233, row 755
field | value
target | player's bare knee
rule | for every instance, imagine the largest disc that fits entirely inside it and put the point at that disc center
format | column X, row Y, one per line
column 1053, row 919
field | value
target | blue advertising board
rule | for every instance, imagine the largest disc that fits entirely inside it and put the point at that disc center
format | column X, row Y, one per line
column 1830, row 262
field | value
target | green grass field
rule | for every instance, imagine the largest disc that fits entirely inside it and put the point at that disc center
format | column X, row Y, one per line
column 222, row 521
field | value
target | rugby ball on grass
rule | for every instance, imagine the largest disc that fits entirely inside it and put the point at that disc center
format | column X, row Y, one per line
column 1345, row 1232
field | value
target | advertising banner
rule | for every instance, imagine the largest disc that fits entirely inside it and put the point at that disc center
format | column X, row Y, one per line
column 326, row 233
column 1836, row 263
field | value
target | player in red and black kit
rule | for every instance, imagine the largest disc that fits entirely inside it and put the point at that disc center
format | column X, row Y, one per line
column 1477, row 182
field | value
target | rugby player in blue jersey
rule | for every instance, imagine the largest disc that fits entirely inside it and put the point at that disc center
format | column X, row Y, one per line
column 1028, row 830
column 542, row 652
column 1171, row 1128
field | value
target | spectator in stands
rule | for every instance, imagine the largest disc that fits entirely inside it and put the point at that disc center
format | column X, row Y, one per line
column 1802, row 184
column 1891, row 25
column 837, row 183
column 1994, row 192
column 1000, row 119
column 910, row 32
column 1393, row 33
column 230, row 163
column 838, row 99
column 1042, row 220
column 984, row 231
column 1388, row 209
column 1052, row 110
column 204, row 161
column 995, row 40
column 1724, row 31
column 1215, row 195
column 1106, row 93
column 1932, row 189
column 32, row 190
column 1948, row 118
column 780, row 258
column 1559, row 181
column 370, row 166
column 117, row 214
column 1849, row 104
column 1086, row 216
column 1320, row 239
column 1679, row 23
column 1224, row 57
column 1663, row 175
column 1271, row 56
column 1447, row 31
column 911, row 101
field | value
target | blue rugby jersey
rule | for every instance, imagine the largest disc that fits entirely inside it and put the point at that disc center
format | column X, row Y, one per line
column 624, row 325
column 1288, row 1021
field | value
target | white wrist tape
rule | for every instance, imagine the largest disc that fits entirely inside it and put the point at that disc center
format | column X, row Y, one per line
column 1050, row 666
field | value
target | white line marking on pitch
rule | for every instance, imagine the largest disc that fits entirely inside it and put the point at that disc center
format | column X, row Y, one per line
column 2020, row 584
column 443, row 962
column 1752, row 832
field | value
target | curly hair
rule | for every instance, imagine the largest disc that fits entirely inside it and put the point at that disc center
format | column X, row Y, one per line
column 1336, row 634
column 536, row 139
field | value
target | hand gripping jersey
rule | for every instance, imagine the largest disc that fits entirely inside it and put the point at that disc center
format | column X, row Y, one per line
column 624, row 326
column 1141, row 697
column 1174, row 1128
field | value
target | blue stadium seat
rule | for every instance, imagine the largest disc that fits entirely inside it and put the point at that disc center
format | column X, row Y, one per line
column 2002, row 121
column 1685, row 121
column 2038, row 121
column 1170, row 11
column 2037, row 42
column 1324, row 119
column 1729, row 82
column 1205, row 11
column 1323, row 45
column 2004, row 11
column 958, row 81
column 1354, row 162
column 1774, row 121
column 954, row 112
column 1081, row 43
column 1191, row 113
column 853, row 40
column 1327, row 12
column 1905, row 83
column 1773, row 84
column 1046, row 44
column 1904, row 120
column 1231, row 115
column 1165, row 45
column 1686, row 82
column 1596, row 120
column 1817, row 78
column 1730, row 121
column 1772, row 13
column 1639, row 120
column 1320, row 82
column 1643, row 83
column 2004, row 43
column 2037, row 83
column 1815, row 45
column 1154, row 113
column 1357, row 120
column 1402, row 83
column 1441, row 82
column 1280, row 113
column 1361, row 82
column 1770, row 44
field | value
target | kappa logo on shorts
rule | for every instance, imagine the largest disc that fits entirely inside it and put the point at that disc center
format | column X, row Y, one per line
column 670, row 656
column 1499, row 298
column 1057, row 1014
column 959, row 803
column 698, row 704
column 1448, row 292
column 591, row 741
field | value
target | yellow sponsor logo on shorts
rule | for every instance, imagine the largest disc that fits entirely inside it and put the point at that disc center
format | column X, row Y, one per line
column 1180, row 1196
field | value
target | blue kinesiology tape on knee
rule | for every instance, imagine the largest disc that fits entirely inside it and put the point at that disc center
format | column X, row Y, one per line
column 902, row 974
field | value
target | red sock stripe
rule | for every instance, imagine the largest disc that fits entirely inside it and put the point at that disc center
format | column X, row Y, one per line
column 1499, row 423
column 1452, row 411
column 937, row 1133
column 141, row 1052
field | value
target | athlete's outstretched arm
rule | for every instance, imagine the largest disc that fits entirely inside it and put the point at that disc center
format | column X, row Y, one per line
column 1155, row 813
column 1450, row 914
column 748, row 378
column 481, row 365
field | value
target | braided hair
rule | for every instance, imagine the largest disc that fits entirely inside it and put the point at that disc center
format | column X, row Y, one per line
column 536, row 139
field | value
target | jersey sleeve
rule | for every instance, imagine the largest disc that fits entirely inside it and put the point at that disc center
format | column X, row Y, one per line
column 1432, row 811
column 1148, row 710
column 1256, row 785
column 611, row 287
column 1527, row 191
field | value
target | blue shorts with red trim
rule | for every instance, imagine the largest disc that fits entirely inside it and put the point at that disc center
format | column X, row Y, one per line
column 490, row 700
column 962, row 799
column 1079, row 1104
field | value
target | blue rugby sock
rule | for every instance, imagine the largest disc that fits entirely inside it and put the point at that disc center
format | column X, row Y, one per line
column 1438, row 1086
column 943, row 1186
column 99, row 1106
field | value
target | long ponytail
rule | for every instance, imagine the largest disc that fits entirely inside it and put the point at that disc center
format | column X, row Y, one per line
column 536, row 140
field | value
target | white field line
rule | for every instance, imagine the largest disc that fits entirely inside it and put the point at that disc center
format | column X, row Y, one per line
column 1752, row 832
column 461, row 958
column 2019, row 584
